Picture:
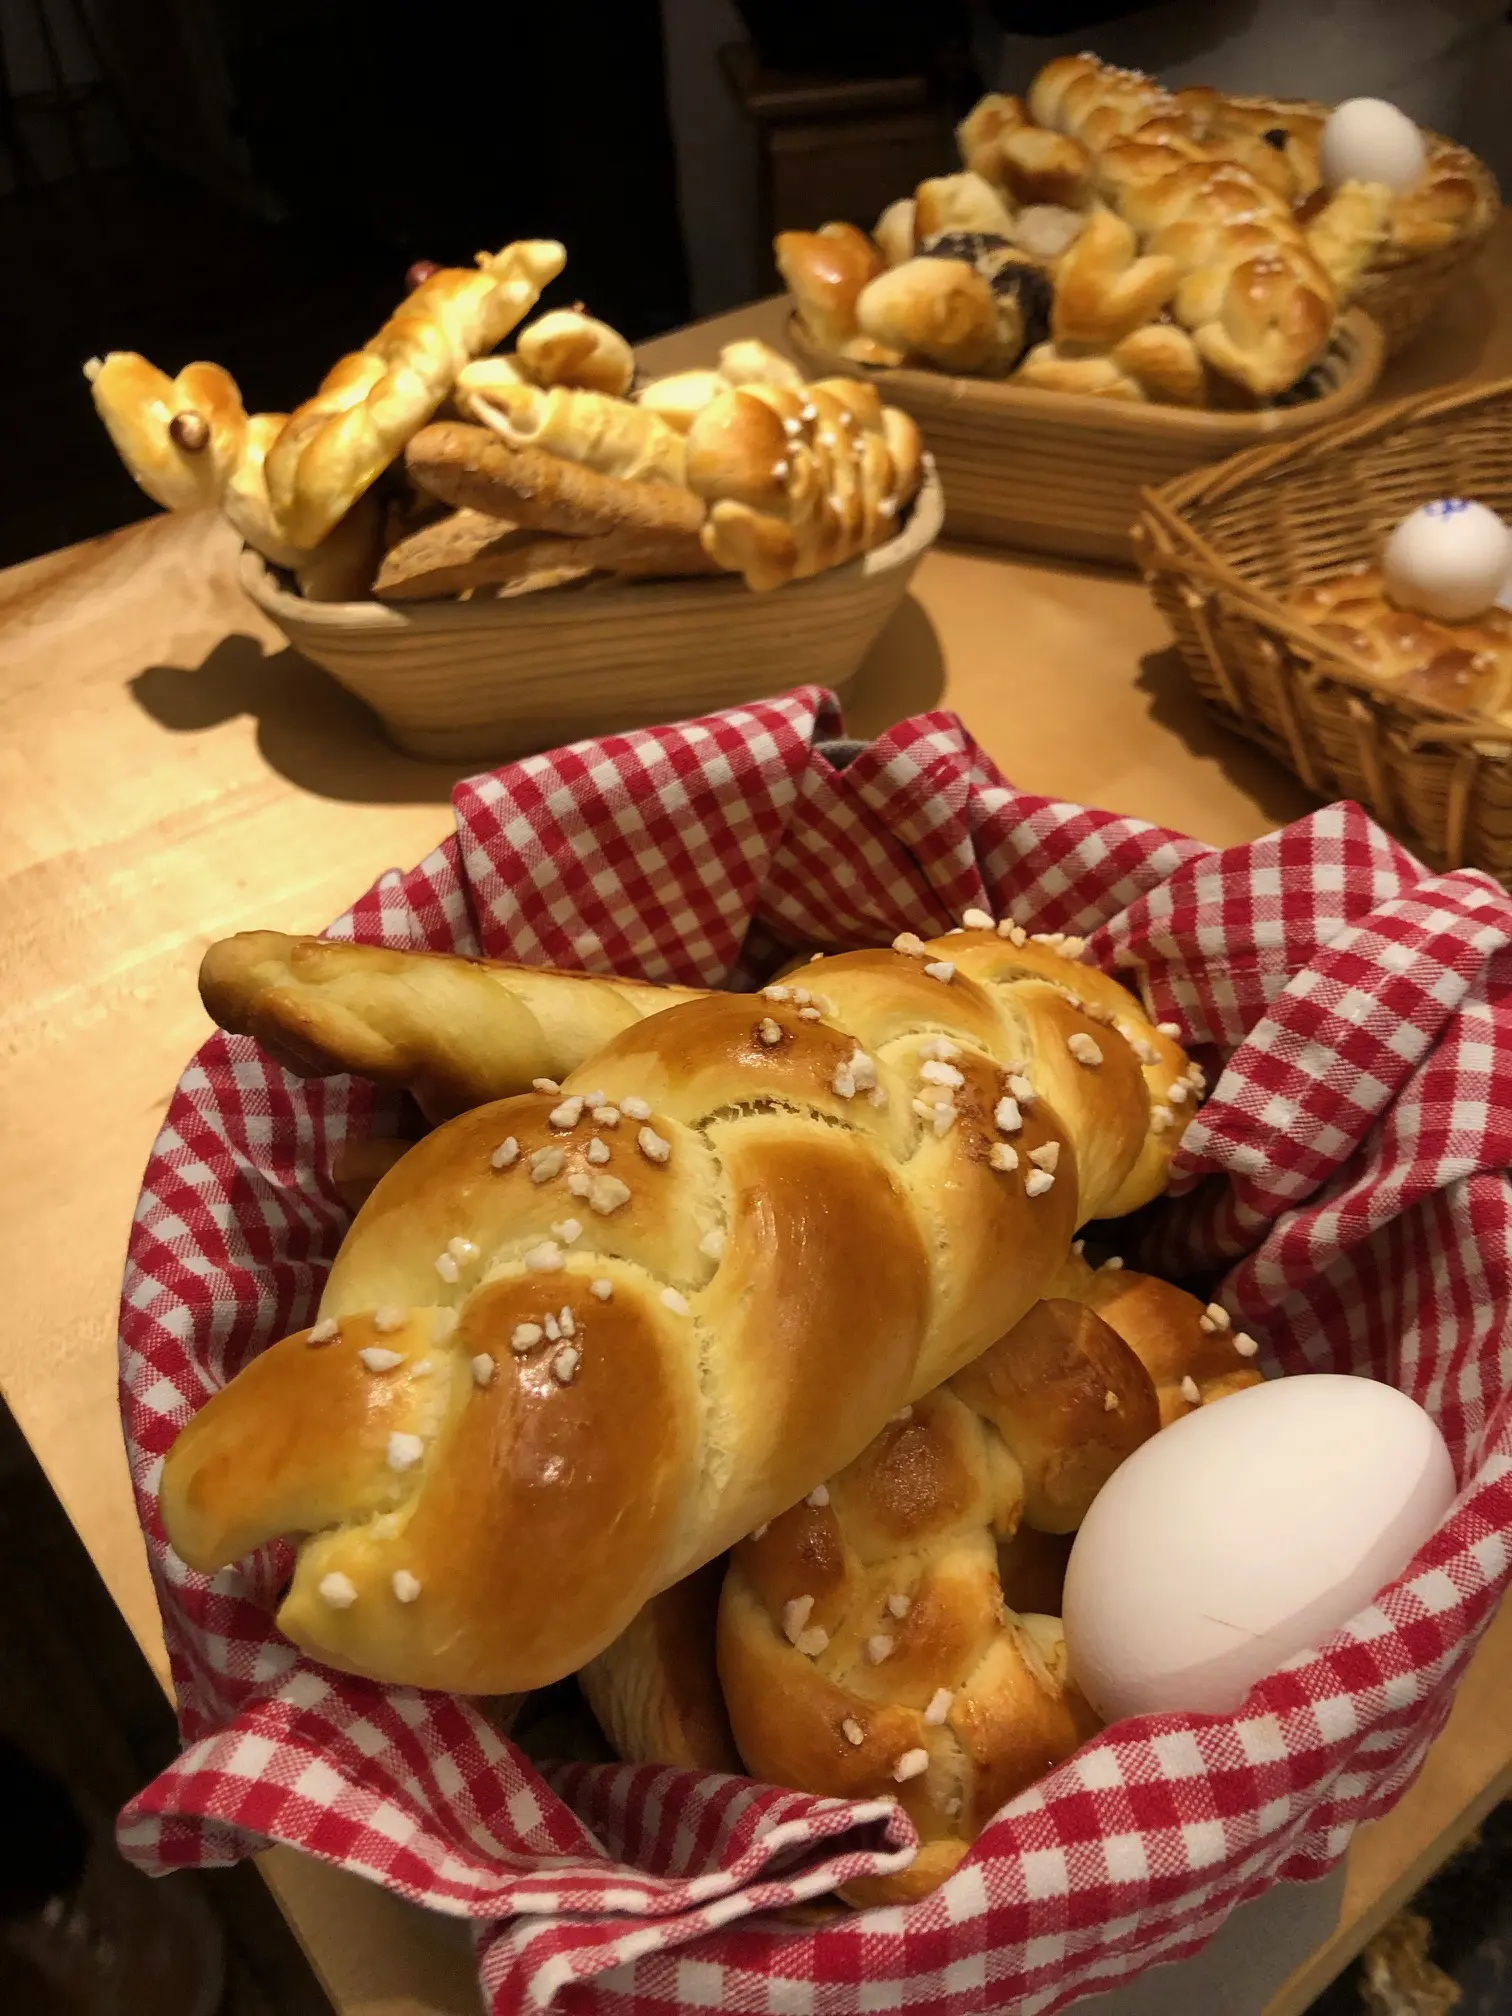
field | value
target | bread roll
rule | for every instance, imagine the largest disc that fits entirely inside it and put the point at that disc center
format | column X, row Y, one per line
column 943, row 311
column 567, row 347
column 825, row 271
column 778, row 1208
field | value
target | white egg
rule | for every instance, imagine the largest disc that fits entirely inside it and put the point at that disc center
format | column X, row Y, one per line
column 1449, row 559
column 1244, row 1533
column 1367, row 140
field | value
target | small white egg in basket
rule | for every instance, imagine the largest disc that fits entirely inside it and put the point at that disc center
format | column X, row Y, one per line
column 1449, row 559
column 1243, row 1534
column 1367, row 140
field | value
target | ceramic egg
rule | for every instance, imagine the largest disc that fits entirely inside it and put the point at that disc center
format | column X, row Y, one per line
column 1367, row 140
column 1243, row 1534
column 1449, row 559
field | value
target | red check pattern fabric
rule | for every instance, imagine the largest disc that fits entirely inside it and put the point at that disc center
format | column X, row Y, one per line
column 1343, row 1189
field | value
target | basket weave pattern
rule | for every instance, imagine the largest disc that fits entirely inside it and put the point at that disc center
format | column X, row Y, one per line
column 480, row 680
column 1225, row 549
column 1062, row 472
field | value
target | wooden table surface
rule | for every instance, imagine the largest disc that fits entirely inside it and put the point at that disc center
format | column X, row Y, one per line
column 172, row 773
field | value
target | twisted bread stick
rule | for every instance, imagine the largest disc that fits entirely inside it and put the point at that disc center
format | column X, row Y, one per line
column 576, row 1344
column 371, row 402
column 453, row 1032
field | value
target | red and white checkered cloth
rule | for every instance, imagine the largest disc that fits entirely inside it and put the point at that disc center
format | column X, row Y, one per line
column 1344, row 1181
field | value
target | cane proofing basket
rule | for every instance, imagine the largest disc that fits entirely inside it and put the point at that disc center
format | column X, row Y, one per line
column 1223, row 550
column 1062, row 472
column 1343, row 1192
column 489, row 678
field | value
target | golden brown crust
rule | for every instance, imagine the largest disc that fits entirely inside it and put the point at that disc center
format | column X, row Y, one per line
column 471, row 466
column 370, row 403
column 1464, row 668
column 773, row 1235
column 961, row 202
column 614, row 437
column 1104, row 289
column 453, row 1032
column 943, row 311
column 567, row 347
column 655, row 1690
column 824, row 271
column 867, row 1645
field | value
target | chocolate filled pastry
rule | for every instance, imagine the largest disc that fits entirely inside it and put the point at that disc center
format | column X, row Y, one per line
column 1011, row 276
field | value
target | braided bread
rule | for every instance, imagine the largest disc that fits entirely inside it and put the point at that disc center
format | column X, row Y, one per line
column 1463, row 668
column 900, row 1159
column 873, row 1636
column 800, row 480
column 370, row 403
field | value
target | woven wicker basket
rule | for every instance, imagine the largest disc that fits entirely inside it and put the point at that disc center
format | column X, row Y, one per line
column 1060, row 472
column 484, row 680
column 1222, row 550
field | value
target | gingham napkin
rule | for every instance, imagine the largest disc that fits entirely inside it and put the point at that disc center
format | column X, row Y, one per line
column 1344, row 1180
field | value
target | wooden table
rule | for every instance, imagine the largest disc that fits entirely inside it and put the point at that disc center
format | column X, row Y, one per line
column 171, row 773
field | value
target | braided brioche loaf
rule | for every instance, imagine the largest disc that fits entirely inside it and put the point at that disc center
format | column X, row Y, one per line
column 867, row 1644
column 577, row 1343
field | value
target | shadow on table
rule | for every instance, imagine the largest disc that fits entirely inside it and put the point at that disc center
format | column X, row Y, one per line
column 902, row 674
column 1175, row 706
column 309, row 729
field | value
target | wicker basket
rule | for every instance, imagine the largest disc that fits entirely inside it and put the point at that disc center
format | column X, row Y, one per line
column 484, row 680
column 1222, row 550
column 1060, row 472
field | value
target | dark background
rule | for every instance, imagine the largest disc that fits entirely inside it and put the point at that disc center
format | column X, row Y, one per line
column 247, row 180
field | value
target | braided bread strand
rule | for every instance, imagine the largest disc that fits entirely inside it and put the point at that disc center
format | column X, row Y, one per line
column 864, row 1644
column 611, row 1327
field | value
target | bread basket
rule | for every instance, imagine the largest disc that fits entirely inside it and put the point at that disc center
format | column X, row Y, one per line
column 1223, row 549
column 486, row 679
column 1062, row 472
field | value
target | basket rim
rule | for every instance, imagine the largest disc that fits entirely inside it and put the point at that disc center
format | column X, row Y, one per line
column 1218, row 480
column 260, row 582
column 1357, row 335
column 1167, row 543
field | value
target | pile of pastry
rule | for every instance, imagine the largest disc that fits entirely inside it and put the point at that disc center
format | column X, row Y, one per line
column 1431, row 622
column 735, row 1352
column 427, row 464
column 1106, row 236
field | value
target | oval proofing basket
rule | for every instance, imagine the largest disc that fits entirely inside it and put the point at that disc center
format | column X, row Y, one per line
column 483, row 680
column 1062, row 472
column 1225, row 549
